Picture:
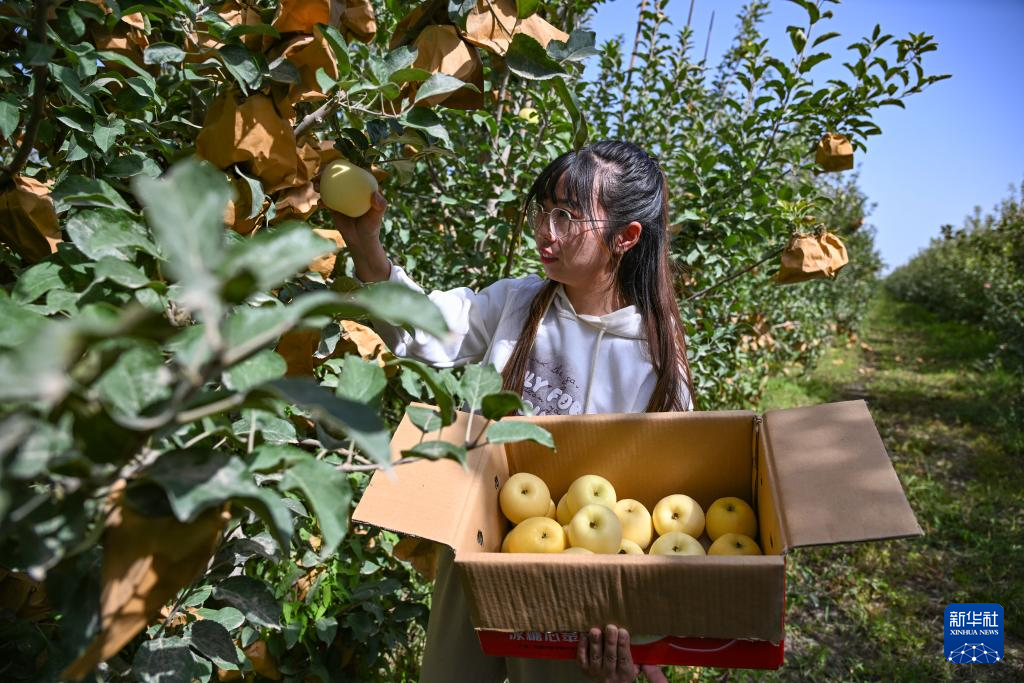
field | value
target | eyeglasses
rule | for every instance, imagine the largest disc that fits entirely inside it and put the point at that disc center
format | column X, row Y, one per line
column 557, row 223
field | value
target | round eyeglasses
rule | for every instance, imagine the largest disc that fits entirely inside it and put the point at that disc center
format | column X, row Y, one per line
column 557, row 224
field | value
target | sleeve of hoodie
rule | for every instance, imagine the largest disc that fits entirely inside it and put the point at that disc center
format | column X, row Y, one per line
column 472, row 318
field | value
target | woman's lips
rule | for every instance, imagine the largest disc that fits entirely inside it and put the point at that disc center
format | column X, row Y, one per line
column 547, row 257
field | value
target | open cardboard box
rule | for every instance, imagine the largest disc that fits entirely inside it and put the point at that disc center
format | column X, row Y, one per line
column 815, row 475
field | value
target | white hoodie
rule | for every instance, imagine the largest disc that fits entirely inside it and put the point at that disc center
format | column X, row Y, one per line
column 580, row 363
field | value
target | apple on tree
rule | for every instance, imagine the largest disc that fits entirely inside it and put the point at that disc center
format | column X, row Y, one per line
column 524, row 495
column 346, row 188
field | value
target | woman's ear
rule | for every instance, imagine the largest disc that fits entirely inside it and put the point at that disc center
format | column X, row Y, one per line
column 628, row 237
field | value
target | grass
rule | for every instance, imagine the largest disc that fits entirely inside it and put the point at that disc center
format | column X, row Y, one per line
column 874, row 611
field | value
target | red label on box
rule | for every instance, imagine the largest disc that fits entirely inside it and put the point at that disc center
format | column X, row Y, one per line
column 734, row 654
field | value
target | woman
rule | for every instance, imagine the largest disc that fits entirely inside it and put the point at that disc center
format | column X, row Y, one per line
column 601, row 333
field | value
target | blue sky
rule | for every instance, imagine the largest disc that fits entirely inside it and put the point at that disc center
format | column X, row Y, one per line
column 958, row 145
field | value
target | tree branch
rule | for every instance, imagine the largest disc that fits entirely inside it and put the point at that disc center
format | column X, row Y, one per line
column 39, row 72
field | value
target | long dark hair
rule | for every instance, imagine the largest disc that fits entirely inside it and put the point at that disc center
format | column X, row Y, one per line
column 630, row 187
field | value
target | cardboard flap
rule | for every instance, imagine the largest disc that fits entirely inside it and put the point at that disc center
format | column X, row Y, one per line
column 429, row 498
column 707, row 597
column 833, row 480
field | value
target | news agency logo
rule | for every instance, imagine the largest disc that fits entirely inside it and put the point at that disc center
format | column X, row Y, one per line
column 974, row 633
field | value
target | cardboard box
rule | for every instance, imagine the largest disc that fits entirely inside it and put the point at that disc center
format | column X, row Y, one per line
column 815, row 475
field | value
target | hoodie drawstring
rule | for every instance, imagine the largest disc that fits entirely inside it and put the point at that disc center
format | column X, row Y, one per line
column 593, row 370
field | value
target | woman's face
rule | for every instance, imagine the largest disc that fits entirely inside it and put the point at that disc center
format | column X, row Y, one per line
column 581, row 259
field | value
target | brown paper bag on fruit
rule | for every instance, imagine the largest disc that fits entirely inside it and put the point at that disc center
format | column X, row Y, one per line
column 834, row 153
column 811, row 257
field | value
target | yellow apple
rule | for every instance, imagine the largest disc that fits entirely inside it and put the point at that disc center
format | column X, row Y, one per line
column 588, row 489
column 562, row 513
column 734, row 544
column 536, row 535
column 524, row 495
column 731, row 515
column 636, row 521
column 676, row 543
column 551, row 511
column 577, row 551
column 628, row 547
column 678, row 512
column 504, row 542
column 565, row 528
column 595, row 527
column 346, row 188
column 529, row 114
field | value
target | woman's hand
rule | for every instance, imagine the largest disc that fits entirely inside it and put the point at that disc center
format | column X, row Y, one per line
column 605, row 657
column 362, row 237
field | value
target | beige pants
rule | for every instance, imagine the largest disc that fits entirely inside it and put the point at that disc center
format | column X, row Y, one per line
column 453, row 654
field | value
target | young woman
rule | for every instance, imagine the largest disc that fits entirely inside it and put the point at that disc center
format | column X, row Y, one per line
column 601, row 333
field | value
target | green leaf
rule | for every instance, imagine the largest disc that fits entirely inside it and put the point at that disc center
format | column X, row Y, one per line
column 527, row 59
column 436, row 450
column 427, row 419
column 360, row 422
column 338, row 46
column 256, row 194
column 197, row 479
column 122, row 272
column 268, row 457
column 498, row 405
column 276, row 254
column 253, row 598
column 163, row 53
column 442, row 395
column 242, row 64
column 262, row 367
column 458, row 10
column 19, row 324
column 138, row 379
column 212, row 640
column 478, row 381
column 9, row 116
column 440, row 84
column 517, row 430
column 75, row 190
column 581, row 44
column 580, row 128
column 400, row 58
column 426, row 120
column 797, row 37
column 396, row 304
column 525, row 8
column 228, row 617
column 104, row 136
column 186, row 210
column 409, row 75
column 328, row 493
column 38, row 280
column 271, row 427
column 813, row 60
column 165, row 660
column 239, row 30
column 361, row 380
column 100, row 233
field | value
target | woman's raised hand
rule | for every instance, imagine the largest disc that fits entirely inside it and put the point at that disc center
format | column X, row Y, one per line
column 605, row 657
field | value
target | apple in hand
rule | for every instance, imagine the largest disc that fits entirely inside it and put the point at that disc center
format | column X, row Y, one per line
column 346, row 188
column 628, row 547
column 595, row 527
column 588, row 489
column 524, row 495
column 562, row 513
column 731, row 515
column 636, row 521
column 734, row 544
column 536, row 535
column 678, row 512
column 676, row 543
